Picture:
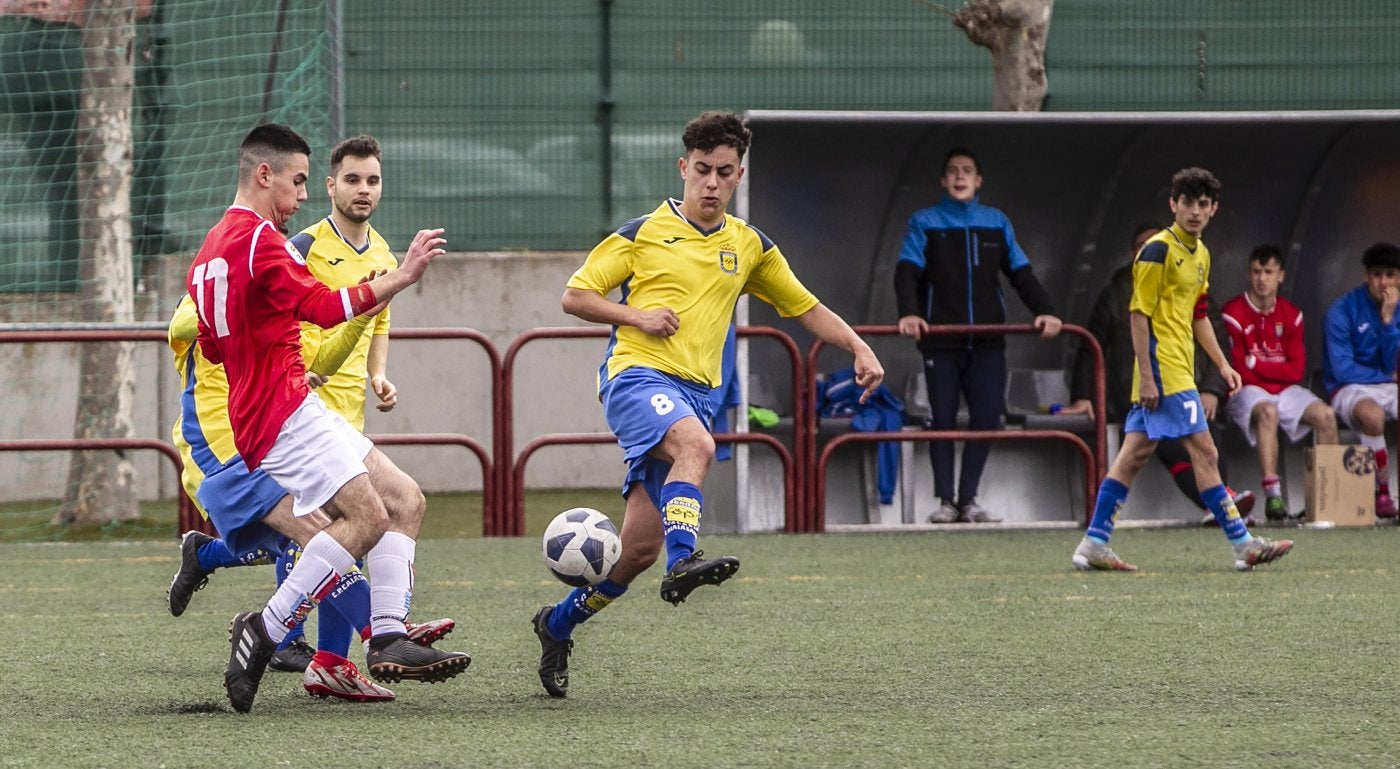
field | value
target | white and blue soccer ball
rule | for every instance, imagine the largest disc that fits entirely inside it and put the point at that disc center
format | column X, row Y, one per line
column 581, row 547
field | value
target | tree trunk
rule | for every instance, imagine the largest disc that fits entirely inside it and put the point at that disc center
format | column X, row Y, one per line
column 101, row 484
column 1015, row 32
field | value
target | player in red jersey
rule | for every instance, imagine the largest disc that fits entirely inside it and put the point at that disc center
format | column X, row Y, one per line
column 1266, row 347
column 252, row 288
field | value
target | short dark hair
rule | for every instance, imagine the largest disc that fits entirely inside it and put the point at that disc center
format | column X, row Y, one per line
column 715, row 129
column 269, row 143
column 362, row 146
column 1381, row 255
column 962, row 152
column 1195, row 183
column 1264, row 252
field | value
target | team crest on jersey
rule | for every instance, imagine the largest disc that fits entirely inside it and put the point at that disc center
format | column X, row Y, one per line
column 1200, row 274
column 294, row 253
column 728, row 259
column 1278, row 328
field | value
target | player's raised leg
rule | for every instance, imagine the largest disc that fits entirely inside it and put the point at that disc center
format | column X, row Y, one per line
column 691, row 447
column 200, row 556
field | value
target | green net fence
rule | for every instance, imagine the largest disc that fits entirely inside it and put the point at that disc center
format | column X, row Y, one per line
column 537, row 124
column 204, row 71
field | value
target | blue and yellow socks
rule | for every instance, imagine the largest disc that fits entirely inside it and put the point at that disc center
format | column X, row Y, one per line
column 580, row 604
column 1217, row 499
column 216, row 555
column 680, row 519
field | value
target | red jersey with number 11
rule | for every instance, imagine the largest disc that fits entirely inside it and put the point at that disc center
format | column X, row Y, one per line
column 251, row 288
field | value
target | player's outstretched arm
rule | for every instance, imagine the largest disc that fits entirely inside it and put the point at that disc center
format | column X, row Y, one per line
column 427, row 245
column 593, row 307
column 830, row 328
column 333, row 352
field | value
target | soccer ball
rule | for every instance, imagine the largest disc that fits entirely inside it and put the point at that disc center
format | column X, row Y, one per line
column 581, row 547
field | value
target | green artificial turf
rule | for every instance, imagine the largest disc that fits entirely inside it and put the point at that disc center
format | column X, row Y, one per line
column 917, row 649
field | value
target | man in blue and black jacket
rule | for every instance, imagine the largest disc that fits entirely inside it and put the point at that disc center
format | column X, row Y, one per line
column 948, row 273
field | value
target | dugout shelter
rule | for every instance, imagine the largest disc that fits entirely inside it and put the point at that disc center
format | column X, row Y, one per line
column 835, row 191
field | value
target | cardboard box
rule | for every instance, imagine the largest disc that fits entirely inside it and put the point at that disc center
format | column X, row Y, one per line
column 1340, row 485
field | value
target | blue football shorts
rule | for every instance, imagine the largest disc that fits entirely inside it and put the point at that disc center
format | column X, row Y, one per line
column 1176, row 416
column 640, row 405
column 237, row 499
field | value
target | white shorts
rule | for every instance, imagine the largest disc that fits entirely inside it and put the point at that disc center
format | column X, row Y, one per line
column 315, row 454
column 1349, row 395
column 1291, row 403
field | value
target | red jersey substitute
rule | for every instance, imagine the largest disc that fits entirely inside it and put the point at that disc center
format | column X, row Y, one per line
column 251, row 287
column 1273, row 341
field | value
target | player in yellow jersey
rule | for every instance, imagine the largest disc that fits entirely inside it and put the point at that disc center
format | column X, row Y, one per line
column 1167, row 317
column 681, row 269
column 340, row 250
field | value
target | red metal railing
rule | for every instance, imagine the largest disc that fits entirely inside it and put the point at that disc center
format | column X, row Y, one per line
column 819, row 471
column 189, row 517
column 495, row 474
column 503, row 473
column 1096, row 464
column 504, row 457
column 489, row 502
column 565, row 439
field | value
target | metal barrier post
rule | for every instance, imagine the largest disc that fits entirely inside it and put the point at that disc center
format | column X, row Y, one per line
column 188, row 518
column 576, row 439
column 493, row 488
column 1098, row 461
column 512, row 489
column 819, row 471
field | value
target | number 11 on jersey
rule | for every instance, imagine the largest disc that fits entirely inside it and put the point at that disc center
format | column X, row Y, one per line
column 214, row 271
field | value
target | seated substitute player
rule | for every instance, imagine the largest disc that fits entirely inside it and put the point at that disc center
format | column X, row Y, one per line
column 1361, row 338
column 251, row 288
column 1167, row 318
column 1108, row 322
column 244, row 510
column 681, row 269
column 1266, row 347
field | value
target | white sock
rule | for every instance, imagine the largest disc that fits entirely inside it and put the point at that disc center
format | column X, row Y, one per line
column 320, row 566
column 1372, row 442
column 390, row 567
